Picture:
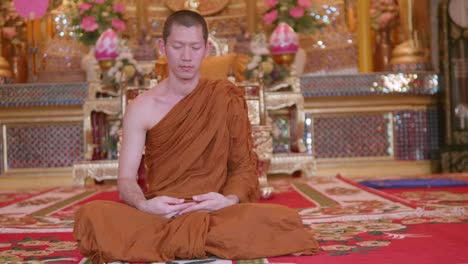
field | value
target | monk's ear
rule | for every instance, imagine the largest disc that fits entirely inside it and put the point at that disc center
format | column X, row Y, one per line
column 207, row 48
column 162, row 46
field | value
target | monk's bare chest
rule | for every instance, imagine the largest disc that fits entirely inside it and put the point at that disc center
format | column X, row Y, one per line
column 161, row 107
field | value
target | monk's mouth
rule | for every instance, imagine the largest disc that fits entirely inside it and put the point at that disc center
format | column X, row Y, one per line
column 186, row 68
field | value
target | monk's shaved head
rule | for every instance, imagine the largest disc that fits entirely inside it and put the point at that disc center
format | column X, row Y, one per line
column 185, row 18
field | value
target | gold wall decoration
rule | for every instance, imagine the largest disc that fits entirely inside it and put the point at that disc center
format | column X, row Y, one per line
column 205, row 7
column 225, row 18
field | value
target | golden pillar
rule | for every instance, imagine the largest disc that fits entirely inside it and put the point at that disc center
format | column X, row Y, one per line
column 364, row 36
column 251, row 8
column 142, row 15
column 34, row 38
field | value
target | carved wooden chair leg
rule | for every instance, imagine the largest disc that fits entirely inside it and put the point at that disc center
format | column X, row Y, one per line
column 265, row 188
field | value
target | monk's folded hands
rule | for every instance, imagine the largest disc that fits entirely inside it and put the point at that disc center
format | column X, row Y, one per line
column 211, row 201
column 164, row 206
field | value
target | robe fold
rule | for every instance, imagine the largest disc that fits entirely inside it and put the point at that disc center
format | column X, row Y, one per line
column 202, row 145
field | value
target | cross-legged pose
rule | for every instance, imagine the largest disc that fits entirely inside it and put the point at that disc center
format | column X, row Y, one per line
column 201, row 172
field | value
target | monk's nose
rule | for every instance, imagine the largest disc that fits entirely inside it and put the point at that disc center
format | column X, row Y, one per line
column 186, row 55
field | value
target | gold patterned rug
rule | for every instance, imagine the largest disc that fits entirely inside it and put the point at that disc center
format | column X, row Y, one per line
column 351, row 222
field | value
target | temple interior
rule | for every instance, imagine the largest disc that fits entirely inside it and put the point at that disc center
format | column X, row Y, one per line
column 359, row 88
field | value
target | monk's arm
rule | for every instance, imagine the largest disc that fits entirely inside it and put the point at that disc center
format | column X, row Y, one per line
column 242, row 178
column 130, row 156
column 134, row 136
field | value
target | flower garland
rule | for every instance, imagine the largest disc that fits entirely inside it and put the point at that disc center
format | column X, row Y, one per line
column 92, row 17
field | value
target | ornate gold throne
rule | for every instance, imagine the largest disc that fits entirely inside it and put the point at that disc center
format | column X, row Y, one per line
column 100, row 170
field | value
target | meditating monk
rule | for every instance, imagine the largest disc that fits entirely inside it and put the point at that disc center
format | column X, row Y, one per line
column 202, row 179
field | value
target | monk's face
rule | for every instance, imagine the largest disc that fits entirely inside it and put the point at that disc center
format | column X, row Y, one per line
column 185, row 49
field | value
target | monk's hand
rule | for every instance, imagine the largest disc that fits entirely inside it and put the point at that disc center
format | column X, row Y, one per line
column 164, row 206
column 211, row 201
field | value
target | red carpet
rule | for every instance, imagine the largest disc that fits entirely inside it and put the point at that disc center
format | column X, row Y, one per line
column 353, row 224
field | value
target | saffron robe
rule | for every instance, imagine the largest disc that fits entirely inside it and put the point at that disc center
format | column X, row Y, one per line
column 202, row 145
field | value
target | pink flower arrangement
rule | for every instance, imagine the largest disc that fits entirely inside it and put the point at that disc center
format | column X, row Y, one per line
column 92, row 17
column 304, row 3
column 384, row 14
column 118, row 8
column 296, row 13
column 271, row 16
column 118, row 24
column 84, row 6
column 89, row 24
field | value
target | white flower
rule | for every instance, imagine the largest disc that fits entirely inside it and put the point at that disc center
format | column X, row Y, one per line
column 252, row 65
column 257, row 59
column 114, row 128
column 261, row 51
column 112, row 71
column 126, row 55
column 138, row 68
column 118, row 76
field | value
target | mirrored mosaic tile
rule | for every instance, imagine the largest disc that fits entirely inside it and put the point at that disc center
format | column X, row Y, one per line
column 368, row 84
column 416, row 135
column 16, row 95
column 44, row 146
column 351, row 136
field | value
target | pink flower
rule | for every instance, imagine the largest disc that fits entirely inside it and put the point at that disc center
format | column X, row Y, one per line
column 304, row 3
column 118, row 8
column 84, row 6
column 118, row 24
column 271, row 3
column 270, row 17
column 297, row 12
column 9, row 32
column 89, row 24
column 99, row 1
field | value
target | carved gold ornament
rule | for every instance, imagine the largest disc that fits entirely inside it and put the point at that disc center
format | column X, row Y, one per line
column 205, row 7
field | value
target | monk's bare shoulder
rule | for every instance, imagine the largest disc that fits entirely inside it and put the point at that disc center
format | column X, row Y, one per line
column 137, row 110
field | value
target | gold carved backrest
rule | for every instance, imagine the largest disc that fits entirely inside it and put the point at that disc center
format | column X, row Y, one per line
column 218, row 46
column 254, row 94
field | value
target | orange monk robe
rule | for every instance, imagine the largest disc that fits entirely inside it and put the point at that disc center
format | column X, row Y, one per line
column 202, row 145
